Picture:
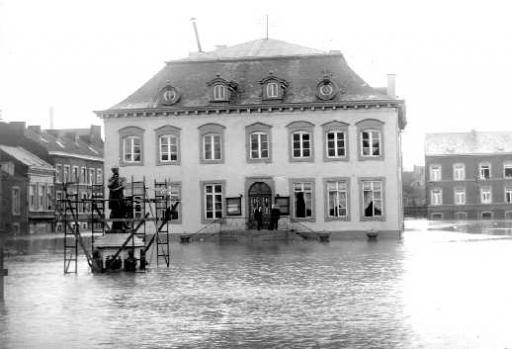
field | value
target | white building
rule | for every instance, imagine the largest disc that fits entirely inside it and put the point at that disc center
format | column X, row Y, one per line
column 261, row 122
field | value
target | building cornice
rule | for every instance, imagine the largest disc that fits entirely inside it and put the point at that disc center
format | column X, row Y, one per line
column 255, row 108
column 77, row 156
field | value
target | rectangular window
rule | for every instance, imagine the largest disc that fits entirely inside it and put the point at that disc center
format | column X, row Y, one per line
column 58, row 173
column 460, row 196
column 370, row 143
column 459, row 172
column 66, row 173
column 507, row 170
column 435, row 172
column 75, row 175
column 508, row 195
column 211, row 147
column 213, row 201
column 49, row 198
column 372, row 199
column 485, row 171
column 91, row 176
column 302, row 199
column 337, row 204
column 40, row 197
column 132, row 149
column 16, row 201
column 84, row 207
column 259, row 145
column 485, row 195
column 436, row 197
column 168, row 148
column 99, row 176
column 83, row 175
column 335, row 144
column 301, row 145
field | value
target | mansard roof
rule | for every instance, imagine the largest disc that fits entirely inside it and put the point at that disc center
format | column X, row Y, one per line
column 247, row 64
column 468, row 143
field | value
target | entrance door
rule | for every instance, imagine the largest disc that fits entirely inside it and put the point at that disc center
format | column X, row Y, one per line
column 260, row 195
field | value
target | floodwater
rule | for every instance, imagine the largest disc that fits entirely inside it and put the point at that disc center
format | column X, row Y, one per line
column 432, row 289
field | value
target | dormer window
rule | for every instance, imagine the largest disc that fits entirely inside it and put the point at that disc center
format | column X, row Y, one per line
column 219, row 92
column 222, row 90
column 273, row 87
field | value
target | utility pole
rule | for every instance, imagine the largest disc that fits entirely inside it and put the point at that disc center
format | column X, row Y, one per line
column 193, row 20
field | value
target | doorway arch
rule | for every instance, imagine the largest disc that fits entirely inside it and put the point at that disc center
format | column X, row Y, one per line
column 260, row 195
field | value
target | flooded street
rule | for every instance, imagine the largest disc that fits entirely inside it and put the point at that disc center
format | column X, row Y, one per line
column 432, row 289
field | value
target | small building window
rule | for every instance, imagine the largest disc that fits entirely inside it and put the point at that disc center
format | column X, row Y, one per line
column 272, row 90
column 40, row 196
column 486, row 215
column 460, row 196
column 435, row 173
column 485, row 195
column 132, row 146
column 258, row 142
column 337, row 199
column 16, row 201
column 303, row 199
column 49, row 198
column 484, row 170
column 213, row 199
column 76, row 175
column 273, row 87
column 58, row 173
column 91, row 176
column 508, row 195
column 131, row 149
column 371, row 142
column 436, row 197
column 219, row 92
column 459, row 172
column 99, row 176
column 174, row 192
column 83, row 175
column 212, row 143
column 373, row 203
column 66, row 174
column 507, row 170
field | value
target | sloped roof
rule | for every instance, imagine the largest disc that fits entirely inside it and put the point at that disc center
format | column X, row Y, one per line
column 65, row 145
column 468, row 143
column 26, row 157
column 246, row 64
column 256, row 49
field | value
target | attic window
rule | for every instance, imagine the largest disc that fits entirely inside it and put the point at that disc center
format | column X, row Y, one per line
column 219, row 92
column 273, row 87
column 326, row 88
column 169, row 95
column 272, row 90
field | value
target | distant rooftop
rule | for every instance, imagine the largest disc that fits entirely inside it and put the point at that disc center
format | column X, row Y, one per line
column 468, row 143
column 256, row 49
column 26, row 157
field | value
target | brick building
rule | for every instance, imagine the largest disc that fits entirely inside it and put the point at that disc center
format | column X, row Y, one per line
column 469, row 175
column 27, row 187
column 75, row 154
column 265, row 122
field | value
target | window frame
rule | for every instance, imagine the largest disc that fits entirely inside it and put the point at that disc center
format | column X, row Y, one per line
column 83, row 174
column 131, row 132
column 335, row 126
column 59, row 173
column 382, row 181
column 507, row 164
column 301, row 127
column 459, row 166
column 370, row 125
column 431, row 172
column 99, row 176
column 459, row 190
column 203, row 185
column 66, row 173
column 268, row 89
column 485, row 190
column 216, row 89
column 481, row 167
column 179, row 187
column 261, row 128
column 211, row 129
column 168, row 131
column 507, row 189
column 15, row 201
column 327, row 216
column 434, row 202
column 291, row 187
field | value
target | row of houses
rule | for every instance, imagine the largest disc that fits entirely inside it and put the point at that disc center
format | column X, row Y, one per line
column 35, row 165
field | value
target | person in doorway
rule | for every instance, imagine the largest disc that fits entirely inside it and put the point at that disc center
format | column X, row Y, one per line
column 258, row 216
column 275, row 214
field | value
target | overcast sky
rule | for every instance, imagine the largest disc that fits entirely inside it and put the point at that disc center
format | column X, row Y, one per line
column 453, row 59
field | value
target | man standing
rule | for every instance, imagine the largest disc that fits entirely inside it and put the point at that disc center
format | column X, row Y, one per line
column 275, row 214
column 258, row 216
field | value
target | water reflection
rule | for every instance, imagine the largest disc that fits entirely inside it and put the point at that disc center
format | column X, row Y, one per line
column 433, row 289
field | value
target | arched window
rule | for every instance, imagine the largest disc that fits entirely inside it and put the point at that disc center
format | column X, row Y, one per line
column 212, row 143
column 272, row 90
column 131, row 146
column 168, row 145
column 219, row 92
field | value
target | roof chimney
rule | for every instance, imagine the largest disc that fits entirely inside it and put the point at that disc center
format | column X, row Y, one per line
column 193, row 20
column 391, row 88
